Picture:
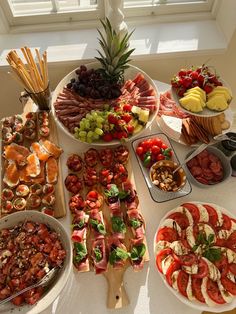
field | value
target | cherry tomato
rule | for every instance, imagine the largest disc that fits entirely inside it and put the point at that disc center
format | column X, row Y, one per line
column 160, row 157
column 155, row 149
column 196, row 288
column 214, row 292
column 182, row 282
column 164, row 146
column 180, row 218
column 202, row 270
column 173, row 267
column 193, row 210
column 167, row 234
column 161, row 256
column 157, row 142
column 139, row 150
column 186, row 259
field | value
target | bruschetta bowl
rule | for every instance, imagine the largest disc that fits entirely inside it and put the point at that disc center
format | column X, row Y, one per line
column 195, row 253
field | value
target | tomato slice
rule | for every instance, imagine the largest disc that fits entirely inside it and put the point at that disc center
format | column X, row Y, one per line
column 184, row 240
column 196, row 288
column 231, row 241
column 160, row 256
column 214, row 292
column 227, row 224
column 182, row 282
column 232, row 268
column 173, row 267
column 229, row 285
column 223, row 265
column 220, row 242
column 202, row 270
column 180, row 218
column 167, row 234
column 193, row 210
column 213, row 216
column 186, row 259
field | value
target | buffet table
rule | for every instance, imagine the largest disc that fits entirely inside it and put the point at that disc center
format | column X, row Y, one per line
column 87, row 293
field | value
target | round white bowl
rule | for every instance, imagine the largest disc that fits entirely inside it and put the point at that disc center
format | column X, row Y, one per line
column 61, row 278
column 128, row 74
column 225, row 164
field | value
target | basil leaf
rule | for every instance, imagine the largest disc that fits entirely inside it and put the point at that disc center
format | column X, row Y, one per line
column 118, row 224
column 137, row 252
column 80, row 252
column 97, row 254
column 117, row 255
column 211, row 238
column 93, row 223
column 212, row 254
column 123, row 194
column 78, row 225
column 101, row 228
column 135, row 223
column 113, row 191
column 194, row 248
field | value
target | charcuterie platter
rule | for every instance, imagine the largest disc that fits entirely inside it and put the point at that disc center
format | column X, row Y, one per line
column 31, row 176
column 108, row 229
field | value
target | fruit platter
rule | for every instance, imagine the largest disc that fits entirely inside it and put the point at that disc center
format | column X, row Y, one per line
column 194, row 247
column 106, row 101
column 108, row 229
column 31, row 176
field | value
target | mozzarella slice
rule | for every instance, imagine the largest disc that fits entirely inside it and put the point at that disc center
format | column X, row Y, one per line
column 193, row 269
column 165, row 264
column 207, row 230
column 185, row 211
column 174, row 279
column 171, row 224
column 228, row 297
column 190, row 237
column 205, row 294
column 189, row 290
column 178, row 248
column 231, row 255
column 214, row 273
column 160, row 245
column 224, row 234
column 220, row 216
column 231, row 276
column 204, row 216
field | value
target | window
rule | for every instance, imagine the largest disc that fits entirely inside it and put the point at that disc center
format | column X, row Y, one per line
column 33, row 12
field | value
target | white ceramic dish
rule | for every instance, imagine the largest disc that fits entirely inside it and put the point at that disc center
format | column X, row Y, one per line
column 61, row 277
column 196, row 304
column 176, row 135
column 129, row 74
column 225, row 164
column 206, row 112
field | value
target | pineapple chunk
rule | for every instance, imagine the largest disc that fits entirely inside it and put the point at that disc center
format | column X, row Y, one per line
column 197, row 90
column 191, row 103
column 221, row 90
column 217, row 102
column 138, row 128
column 136, row 110
column 144, row 115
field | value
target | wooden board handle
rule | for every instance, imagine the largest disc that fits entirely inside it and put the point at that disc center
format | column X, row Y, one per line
column 117, row 296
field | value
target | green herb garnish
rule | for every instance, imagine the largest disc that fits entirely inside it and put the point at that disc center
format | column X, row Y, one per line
column 137, row 252
column 118, row 254
column 206, row 243
column 118, row 224
column 97, row 225
column 123, row 194
column 112, row 192
column 80, row 252
column 78, row 225
column 97, row 254
column 135, row 223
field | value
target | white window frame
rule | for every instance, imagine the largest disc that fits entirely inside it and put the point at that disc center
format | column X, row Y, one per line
column 90, row 18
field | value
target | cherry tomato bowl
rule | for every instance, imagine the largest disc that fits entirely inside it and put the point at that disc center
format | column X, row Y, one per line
column 217, row 308
column 58, row 283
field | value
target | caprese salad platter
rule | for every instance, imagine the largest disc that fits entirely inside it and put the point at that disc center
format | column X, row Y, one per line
column 108, row 229
column 31, row 176
column 109, row 100
column 195, row 250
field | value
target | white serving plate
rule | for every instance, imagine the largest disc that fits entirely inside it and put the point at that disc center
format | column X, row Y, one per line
column 61, row 277
column 177, row 136
column 130, row 73
column 196, row 304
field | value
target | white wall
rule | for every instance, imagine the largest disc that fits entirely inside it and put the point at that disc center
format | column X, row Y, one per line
column 160, row 69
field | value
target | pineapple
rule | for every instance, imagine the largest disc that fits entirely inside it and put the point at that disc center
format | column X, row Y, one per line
column 115, row 55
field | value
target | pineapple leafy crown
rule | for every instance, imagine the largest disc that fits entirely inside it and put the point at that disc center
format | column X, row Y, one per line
column 115, row 54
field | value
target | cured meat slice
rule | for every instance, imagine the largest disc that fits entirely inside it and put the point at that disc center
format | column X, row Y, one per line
column 99, row 255
column 39, row 151
column 137, row 223
column 33, row 166
column 16, row 153
column 79, row 235
column 11, row 176
column 96, row 224
column 138, row 250
column 80, row 256
column 51, row 170
column 51, row 148
column 117, row 252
